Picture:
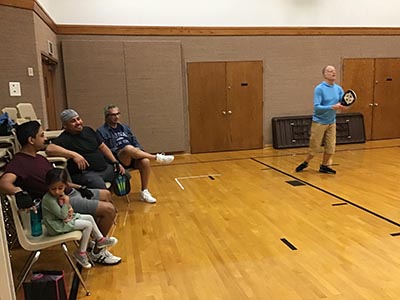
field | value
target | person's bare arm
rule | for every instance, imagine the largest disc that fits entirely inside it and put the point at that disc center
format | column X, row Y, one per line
column 56, row 150
column 24, row 200
column 7, row 184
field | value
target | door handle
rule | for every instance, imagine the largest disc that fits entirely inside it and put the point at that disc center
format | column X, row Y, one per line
column 224, row 112
column 376, row 104
column 371, row 104
column 229, row 112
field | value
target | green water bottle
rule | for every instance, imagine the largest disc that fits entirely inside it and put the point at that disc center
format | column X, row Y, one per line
column 36, row 219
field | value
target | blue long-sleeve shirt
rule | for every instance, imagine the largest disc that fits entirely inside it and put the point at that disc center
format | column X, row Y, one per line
column 326, row 95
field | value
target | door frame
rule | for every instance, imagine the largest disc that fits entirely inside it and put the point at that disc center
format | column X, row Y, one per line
column 49, row 65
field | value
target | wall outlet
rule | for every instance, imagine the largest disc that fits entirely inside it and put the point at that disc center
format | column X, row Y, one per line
column 30, row 71
column 15, row 89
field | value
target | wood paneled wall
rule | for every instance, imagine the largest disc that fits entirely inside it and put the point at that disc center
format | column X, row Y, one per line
column 293, row 59
column 143, row 78
column 292, row 64
column 23, row 38
column 94, row 77
column 17, row 53
column 155, row 94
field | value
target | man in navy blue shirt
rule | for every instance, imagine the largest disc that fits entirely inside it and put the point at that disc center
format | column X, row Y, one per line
column 124, row 145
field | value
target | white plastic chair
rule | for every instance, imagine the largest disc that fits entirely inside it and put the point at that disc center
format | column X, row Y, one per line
column 52, row 134
column 57, row 161
column 5, row 155
column 36, row 244
column 10, row 142
column 12, row 112
column 27, row 112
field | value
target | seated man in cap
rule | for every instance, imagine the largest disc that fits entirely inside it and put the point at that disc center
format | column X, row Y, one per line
column 123, row 143
column 90, row 161
column 25, row 177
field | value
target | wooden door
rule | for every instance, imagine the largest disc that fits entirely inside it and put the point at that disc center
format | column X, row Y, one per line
column 225, row 106
column 48, row 68
column 358, row 75
column 386, row 113
column 207, row 107
column 245, row 104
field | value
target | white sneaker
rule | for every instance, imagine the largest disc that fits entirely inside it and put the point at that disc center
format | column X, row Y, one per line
column 105, row 257
column 164, row 159
column 109, row 254
column 147, row 197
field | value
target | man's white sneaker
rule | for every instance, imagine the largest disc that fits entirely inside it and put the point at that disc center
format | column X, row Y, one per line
column 105, row 257
column 147, row 197
column 109, row 254
column 164, row 159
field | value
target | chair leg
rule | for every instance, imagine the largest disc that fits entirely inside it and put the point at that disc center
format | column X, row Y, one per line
column 33, row 257
column 90, row 259
column 127, row 198
column 71, row 262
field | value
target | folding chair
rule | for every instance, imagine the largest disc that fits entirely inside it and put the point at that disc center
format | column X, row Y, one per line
column 57, row 161
column 26, row 111
column 36, row 244
column 5, row 156
column 10, row 142
column 12, row 112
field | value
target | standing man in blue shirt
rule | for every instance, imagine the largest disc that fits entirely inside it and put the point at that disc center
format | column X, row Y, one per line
column 327, row 96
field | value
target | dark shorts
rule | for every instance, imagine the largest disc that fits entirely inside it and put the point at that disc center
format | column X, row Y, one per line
column 95, row 179
column 133, row 164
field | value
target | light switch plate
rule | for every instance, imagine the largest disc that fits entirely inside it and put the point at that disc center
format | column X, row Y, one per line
column 15, row 88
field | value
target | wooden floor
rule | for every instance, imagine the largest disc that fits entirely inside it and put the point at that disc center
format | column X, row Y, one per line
column 231, row 226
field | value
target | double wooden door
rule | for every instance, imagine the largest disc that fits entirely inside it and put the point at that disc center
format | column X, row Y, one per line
column 377, row 84
column 225, row 105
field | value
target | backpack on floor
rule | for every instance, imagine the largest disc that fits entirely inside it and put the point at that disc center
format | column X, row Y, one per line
column 121, row 185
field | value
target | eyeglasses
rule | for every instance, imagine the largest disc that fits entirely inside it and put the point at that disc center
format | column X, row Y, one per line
column 113, row 115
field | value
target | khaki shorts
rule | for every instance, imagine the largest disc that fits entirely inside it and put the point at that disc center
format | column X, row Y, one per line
column 322, row 133
column 83, row 205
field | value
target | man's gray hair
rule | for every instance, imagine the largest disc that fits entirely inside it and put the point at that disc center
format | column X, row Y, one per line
column 107, row 108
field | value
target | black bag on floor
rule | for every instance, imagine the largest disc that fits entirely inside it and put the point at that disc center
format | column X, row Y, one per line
column 121, row 185
column 46, row 285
